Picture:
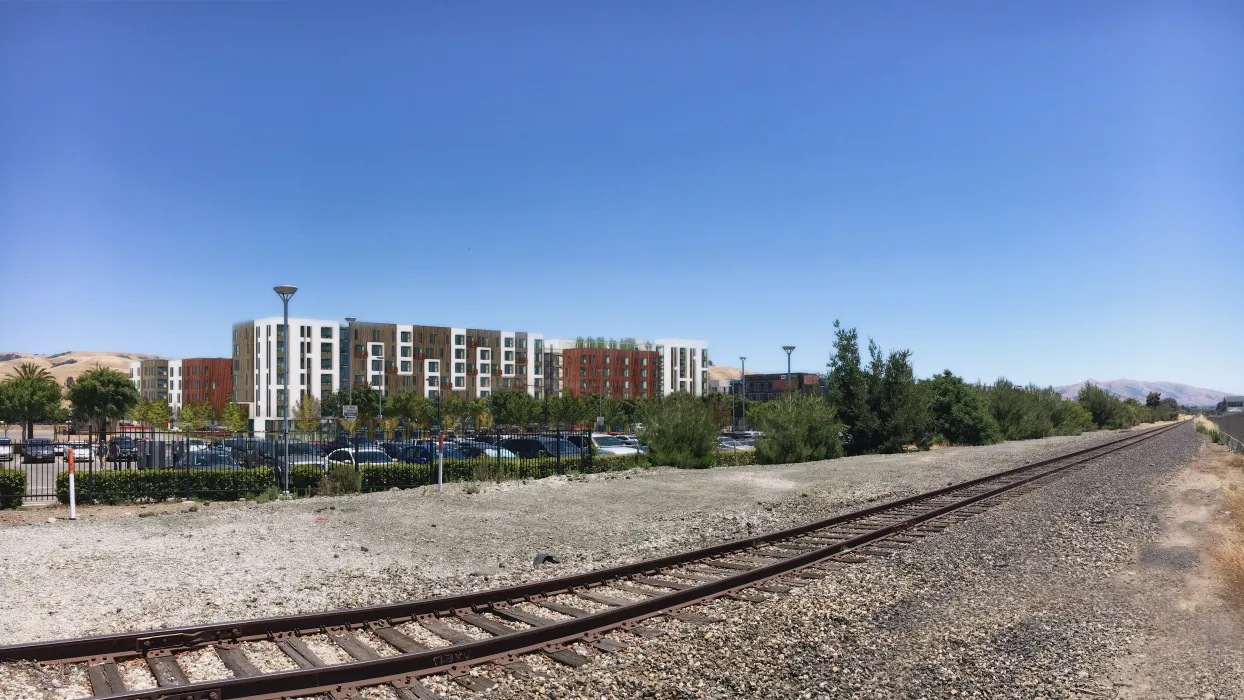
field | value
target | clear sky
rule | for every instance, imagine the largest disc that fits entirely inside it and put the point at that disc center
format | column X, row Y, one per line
column 1047, row 191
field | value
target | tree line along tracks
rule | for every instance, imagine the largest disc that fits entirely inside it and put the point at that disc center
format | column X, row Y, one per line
column 502, row 626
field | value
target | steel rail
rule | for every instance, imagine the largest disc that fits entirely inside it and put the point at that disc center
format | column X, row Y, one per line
column 405, row 668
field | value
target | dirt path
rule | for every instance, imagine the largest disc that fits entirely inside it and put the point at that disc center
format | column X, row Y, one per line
column 1176, row 580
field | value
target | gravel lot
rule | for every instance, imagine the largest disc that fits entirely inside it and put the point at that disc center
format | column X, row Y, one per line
column 1045, row 596
column 1058, row 594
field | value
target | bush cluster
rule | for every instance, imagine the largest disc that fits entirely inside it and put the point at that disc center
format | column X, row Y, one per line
column 110, row 487
column 680, row 431
column 797, row 428
column 12, row 487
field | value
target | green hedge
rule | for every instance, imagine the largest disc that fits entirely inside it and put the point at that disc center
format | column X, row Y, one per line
column 12, row 487
column 110, row 487
column 741, row 458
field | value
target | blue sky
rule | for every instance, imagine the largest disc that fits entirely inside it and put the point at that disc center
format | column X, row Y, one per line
column 1045, row 191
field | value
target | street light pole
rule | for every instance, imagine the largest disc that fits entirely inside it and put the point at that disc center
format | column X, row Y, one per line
column 743, row 379
column 789, row 349
column 286, row 291
column 349, row 361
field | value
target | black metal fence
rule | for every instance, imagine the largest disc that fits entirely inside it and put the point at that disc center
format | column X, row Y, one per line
column 128, row 465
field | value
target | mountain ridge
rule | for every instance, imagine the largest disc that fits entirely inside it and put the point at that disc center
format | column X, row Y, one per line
column 1185, row 394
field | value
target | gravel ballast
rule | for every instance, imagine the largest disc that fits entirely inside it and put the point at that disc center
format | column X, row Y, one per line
column 1037, row 597
column 122, row 573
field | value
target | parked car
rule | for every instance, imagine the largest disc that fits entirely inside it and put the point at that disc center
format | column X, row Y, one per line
column 82, row 452
column 6, row 450
column 351, row 442
column 539, row 446
column 611, row 445
column 300, row 454
column 38, row 450
column 122, row 449
column 478, row 448
column 725, row 444
column 425, row 453
column 212, row 458
column 394, row 447
column 359, row 457
column 59, row 449
column 249, row 452
column 182, row 447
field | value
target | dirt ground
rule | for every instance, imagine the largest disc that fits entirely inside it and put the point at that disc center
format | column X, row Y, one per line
column 1178, row 581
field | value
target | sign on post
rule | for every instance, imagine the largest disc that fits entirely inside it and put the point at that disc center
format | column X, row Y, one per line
column 349, row 412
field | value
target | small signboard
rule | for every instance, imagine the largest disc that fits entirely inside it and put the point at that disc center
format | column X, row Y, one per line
column 349, row 412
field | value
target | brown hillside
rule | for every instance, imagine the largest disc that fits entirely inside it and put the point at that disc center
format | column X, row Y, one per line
column 64, row 365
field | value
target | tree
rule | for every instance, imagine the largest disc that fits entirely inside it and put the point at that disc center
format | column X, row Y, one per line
column 848, row 389
column 153, row 413
column 477, row 411
column 900, row 408
column 514, row 408
column 680, row 432
column 389, row 423
column 797, row 428
column 196, row 417
column 720, row 407
column 307, row 413
column 1153, row 399
column 234, row 417
column 959, row 411
column 102, row 395
column 31, row 395
column 1106, row 410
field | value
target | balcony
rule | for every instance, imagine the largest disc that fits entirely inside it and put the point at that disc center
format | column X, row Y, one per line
column 390, row 370
column 361, row 354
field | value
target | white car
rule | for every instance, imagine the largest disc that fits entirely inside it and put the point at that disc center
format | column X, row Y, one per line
column 358, row 457
column 6, row 450
column 727, row 444
column 610, row 445
column 83, row 452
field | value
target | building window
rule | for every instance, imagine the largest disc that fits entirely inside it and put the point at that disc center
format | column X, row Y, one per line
column 405, row 366
column 375, row 365
column 326, row 332
column 483, row 354
column 643, row 361
column 583, row 371
column 483, row 381
column 643, row 385
column 522, row 343
column 509, row 369
column 405, row 351
column 626, row 384
column 377, row 349
column 326, row 364
column 431, row 381
column 606, row 383
column 509, row 355
column 483, row 368
column 582, row 383
column 459, row 354
column 459, row 340
column 606, row 371
column 459, row 382
column 405, row 336
column 375, row 381
column 485, row 393
column 643, row 372
column 626, row 372
column 607, row 359
column 509, row 341
column 459, row 367
column 434, row 367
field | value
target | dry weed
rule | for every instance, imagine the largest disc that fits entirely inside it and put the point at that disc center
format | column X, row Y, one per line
column 1230, row 552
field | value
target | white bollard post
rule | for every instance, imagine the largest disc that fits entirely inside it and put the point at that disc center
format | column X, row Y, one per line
column 73, row 497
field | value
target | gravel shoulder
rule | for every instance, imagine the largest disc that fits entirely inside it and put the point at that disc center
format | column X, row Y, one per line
column 124, row 572
column 1082, row 588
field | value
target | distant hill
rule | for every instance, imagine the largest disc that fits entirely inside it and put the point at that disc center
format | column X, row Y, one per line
column 64, row 365
column 1133, row 389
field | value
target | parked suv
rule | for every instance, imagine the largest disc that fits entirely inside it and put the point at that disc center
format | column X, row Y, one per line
column 122, row 449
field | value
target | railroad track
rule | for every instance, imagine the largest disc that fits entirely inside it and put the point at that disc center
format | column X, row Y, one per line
column 392, row 644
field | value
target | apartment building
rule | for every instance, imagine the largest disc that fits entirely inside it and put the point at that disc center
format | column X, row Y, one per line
column 151, row 378
column 392, row 358
column 262, row 365
column 470, row 363
column 630, row 368
column 764, row 387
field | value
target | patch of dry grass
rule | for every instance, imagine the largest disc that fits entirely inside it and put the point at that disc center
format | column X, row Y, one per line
column 1230, row 552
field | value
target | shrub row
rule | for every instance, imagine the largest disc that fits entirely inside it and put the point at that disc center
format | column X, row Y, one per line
column 12, row 487
column 109, row 487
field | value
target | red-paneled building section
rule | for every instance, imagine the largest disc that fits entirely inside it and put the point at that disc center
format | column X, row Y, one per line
column 624, row 374
column 207, row 380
